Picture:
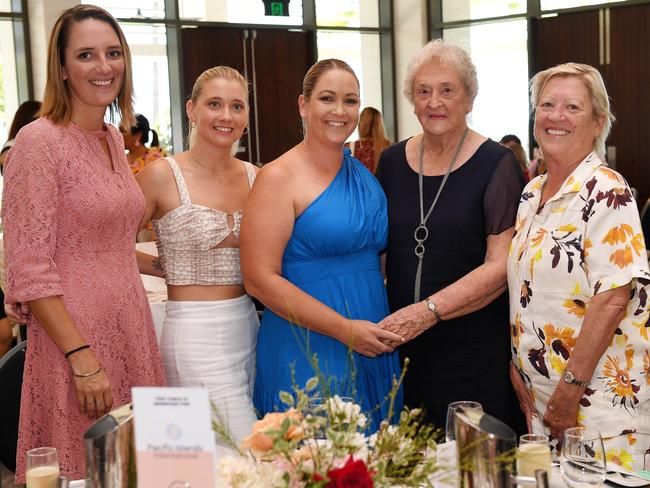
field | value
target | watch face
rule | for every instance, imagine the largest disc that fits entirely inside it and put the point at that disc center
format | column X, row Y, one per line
column 568, row 376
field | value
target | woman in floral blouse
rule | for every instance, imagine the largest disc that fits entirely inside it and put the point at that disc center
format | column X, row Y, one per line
column 578, row 277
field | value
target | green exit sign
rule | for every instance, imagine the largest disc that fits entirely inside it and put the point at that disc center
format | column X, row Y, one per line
column 276, row 8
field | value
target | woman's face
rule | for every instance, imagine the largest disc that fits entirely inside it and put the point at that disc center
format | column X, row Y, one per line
column 439, row 99
column 130, row 140
column 565, row 125
column 332, row 111
column 220, row 112
column 94, row 65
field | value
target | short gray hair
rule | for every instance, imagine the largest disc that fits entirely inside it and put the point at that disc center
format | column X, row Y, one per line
column 596, row 87
column 437, row 51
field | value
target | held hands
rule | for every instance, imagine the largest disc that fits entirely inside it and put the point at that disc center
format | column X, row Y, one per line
column 409, row 322
column 18, row 313
column 93, row 392
column 366, row 338
column 523, row 395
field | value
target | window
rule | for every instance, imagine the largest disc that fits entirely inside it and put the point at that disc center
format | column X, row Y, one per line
column 559, row 4
column 499, row 52
column 237, row 11
column 148, row 45
column 361, row 52
column 453, row 10
column 347, row 13
column 9, row 99
column 143, row 9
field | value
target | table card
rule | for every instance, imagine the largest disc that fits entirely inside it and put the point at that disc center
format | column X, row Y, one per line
column 173, row 438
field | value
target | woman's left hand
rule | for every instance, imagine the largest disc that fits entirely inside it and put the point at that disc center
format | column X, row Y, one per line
column 562, row 410
column 409, row 322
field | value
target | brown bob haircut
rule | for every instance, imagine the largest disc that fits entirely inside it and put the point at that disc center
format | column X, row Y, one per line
column 57, row 105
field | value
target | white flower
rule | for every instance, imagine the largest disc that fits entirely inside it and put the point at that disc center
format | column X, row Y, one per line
column 346, row 412
column 242, row 472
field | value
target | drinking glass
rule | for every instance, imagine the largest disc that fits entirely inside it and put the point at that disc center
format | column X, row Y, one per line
column 42, row 467
column 450, row 432
column 533, row 453
column 582, row 461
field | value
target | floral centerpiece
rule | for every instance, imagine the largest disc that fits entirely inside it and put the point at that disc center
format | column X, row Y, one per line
column 323, row 441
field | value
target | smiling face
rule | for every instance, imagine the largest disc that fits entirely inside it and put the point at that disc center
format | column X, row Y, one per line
column 565, row 125
column 94, row 66
column 220, row 111
column 439, row 100
column 332, row 111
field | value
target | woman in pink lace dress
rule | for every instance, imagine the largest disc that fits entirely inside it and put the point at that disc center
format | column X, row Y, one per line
column 71, row 211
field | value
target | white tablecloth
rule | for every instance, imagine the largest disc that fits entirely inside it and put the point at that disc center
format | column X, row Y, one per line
column 156, row 290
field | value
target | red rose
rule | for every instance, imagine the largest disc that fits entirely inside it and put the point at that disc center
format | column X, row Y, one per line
column 354, row 474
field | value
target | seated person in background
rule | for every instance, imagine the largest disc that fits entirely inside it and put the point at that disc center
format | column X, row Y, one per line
column 512, row 142
column 26, row 113
column 139, row 154
column 372, row 138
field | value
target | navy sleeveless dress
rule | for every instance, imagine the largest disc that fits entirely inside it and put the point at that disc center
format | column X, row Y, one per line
column 333, row 255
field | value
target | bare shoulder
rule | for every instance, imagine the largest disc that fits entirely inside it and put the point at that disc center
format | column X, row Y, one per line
column 280, row 173
column 158, row 173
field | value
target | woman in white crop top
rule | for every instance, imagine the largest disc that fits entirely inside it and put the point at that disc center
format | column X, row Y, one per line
column 194, row 200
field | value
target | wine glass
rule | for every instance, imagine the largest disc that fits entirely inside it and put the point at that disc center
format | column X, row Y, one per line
column 582, row 460
column 42, row 470
column 450, row 428
column 533, row 453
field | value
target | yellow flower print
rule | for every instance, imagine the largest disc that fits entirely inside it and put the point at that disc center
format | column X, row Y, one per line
column 618, row 234
column 560, row 341
column 621, row 458
column 638, row 243
column 621, row 257
column 646, row 367
column 535, row 259
column 619, row 383
column 539, row 237
column 568, row 228
column 609, row 173
column 588, row 244
column 643, row 330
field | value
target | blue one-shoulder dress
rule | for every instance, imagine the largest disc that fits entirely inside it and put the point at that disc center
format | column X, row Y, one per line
column 333, row 255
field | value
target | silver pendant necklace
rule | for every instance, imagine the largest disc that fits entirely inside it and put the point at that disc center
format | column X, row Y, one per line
column 421, row 233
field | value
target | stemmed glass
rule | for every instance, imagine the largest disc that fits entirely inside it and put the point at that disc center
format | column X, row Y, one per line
column 42, row 470
column 582, row 460
column 450, row 429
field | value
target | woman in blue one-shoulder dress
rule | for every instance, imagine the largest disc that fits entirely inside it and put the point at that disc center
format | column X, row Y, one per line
column 313, row 229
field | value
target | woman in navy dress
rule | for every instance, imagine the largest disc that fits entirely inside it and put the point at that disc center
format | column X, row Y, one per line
column 314, row 226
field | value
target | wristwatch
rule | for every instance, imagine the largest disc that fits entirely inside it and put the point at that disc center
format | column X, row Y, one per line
column 432, row 306
column 569, row 378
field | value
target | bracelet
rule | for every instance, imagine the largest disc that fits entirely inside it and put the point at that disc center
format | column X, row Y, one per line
column 86, row 375
column 80, row 348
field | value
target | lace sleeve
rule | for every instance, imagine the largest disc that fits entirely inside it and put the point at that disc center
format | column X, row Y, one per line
column 501, row 198
column 29, row 215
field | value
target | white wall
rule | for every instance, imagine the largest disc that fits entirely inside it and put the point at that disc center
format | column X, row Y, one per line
column 42, row 15
column 410, row 36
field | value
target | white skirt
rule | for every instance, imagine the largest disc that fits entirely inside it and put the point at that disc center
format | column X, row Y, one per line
column 211, row 344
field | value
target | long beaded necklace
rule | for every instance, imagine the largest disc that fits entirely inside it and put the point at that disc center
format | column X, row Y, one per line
column 421, row 233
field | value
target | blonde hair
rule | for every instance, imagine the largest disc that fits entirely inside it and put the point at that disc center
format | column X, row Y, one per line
column 596, row 88
column 319, row 69
column 57, row 104
column 214, row 73
column 371, row 126
column 437, row 51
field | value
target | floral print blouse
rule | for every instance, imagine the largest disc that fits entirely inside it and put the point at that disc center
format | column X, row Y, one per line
column 585, row 239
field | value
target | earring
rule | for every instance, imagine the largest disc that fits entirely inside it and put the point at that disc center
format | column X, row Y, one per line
column 245, row 131
column 304, row 127
column 192, row 124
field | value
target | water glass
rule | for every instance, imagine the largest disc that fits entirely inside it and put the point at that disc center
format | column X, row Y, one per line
column 450, row 428
column 42, row 469
column 582, row 460
column 533, row 453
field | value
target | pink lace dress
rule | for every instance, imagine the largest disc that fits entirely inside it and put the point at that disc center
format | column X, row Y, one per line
column 69, row 230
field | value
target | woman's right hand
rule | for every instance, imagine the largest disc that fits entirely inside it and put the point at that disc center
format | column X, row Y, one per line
column 18, row 313
column 523, row 395
column 366, row 338
column 93, row 392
